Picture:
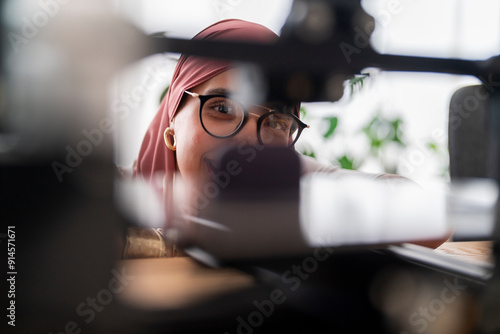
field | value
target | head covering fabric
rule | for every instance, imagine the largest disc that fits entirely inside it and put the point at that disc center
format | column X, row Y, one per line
column 191, row 71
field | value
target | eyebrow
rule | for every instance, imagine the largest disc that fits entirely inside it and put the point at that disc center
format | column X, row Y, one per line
column 218, row 90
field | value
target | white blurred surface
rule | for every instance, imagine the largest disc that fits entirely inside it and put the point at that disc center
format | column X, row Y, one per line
column 356, row 211
column 471, row 208
column 443, row 28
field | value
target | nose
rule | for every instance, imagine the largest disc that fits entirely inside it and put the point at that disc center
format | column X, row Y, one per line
column 248, row 133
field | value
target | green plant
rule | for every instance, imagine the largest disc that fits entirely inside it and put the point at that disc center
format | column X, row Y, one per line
column 347, row 162
column 356, row 83
column 384, row 137
column 164, row 93
column 332, row 125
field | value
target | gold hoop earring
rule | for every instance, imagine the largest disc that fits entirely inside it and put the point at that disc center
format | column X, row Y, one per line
column 167, row 142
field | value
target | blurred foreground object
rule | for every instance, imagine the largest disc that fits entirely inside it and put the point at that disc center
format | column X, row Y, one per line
column 293, row 214
column 56, row 168
column 322, row 44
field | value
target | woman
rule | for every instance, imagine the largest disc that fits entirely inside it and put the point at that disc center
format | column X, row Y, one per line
column 198, row 116
column 176, row 140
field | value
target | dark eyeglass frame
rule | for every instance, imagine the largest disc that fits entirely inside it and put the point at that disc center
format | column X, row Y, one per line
column 261, row 118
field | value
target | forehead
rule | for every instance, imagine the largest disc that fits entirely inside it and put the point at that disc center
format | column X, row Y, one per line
column 233, row 83
column 226, row 82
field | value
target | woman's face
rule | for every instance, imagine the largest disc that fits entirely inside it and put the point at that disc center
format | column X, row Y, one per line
column 196, row 150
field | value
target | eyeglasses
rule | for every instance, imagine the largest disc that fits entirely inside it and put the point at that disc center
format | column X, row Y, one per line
column 223, row 117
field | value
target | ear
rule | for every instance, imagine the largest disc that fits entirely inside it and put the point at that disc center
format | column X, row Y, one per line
column 172, row 126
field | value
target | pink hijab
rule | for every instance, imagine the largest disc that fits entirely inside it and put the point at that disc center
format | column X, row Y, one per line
column 154, row 156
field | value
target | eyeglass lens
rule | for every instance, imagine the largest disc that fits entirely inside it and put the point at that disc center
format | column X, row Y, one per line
column 222, row 116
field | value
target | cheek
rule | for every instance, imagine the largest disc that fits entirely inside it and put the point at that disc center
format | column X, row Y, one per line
column 192, row 143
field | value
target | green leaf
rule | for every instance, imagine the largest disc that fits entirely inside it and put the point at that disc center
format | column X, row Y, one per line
column 380, row 132
column 333, row 121
column 303, row 112
column 164, row 93
column 309, row 154
column 377, row 143
column 432, row 146
column 346, row 162
column 397, row 132
column 356, row 82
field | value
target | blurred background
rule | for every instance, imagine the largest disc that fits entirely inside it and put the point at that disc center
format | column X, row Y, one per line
column 386, row 122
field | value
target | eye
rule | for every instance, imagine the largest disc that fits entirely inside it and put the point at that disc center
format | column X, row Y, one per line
column 221, row 109
column 278, row 122
column 223, row 106
column 276, row 125
column 220, row 106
